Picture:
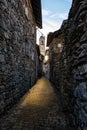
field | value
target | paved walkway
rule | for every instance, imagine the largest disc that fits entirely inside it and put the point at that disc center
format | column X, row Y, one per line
column 39, row 109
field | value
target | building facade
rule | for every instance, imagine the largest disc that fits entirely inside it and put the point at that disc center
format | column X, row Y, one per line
column 55, row 42
column 18, row 53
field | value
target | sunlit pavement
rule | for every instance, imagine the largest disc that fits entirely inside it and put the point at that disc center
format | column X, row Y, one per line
column 39, row 109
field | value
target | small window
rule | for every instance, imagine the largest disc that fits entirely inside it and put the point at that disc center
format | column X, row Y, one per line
column 26, row 10
column 59, row 45
column 42, row 43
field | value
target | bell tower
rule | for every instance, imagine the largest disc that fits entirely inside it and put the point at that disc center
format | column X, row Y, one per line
column 42, row 45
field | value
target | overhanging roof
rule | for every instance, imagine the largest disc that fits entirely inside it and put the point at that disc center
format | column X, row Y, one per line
column 36, row 5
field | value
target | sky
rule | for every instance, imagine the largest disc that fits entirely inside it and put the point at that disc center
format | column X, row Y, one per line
column 53, row 14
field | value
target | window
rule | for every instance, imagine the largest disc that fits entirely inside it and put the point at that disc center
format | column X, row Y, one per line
column 59, row 45
column 42, row 43
column 26, row 10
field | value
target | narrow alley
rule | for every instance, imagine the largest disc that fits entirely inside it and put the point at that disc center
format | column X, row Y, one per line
column 39, row 109
column 43, row 64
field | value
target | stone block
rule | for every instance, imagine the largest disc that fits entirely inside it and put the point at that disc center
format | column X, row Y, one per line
column 2, row 58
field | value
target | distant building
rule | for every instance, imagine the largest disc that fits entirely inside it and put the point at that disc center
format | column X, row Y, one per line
column 46, row 64
column 42, row 45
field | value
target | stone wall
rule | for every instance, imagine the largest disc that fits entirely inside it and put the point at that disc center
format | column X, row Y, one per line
column 56, row 48
column 76, row 53
column 72, row 67
column 38, row 63
column 18, row 54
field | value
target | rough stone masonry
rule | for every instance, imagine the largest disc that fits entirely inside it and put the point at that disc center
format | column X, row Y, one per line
column 18, row 54
column 72, row 65
column 76, row 44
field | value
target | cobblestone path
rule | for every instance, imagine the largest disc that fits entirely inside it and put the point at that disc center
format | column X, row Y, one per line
column 39, row 109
